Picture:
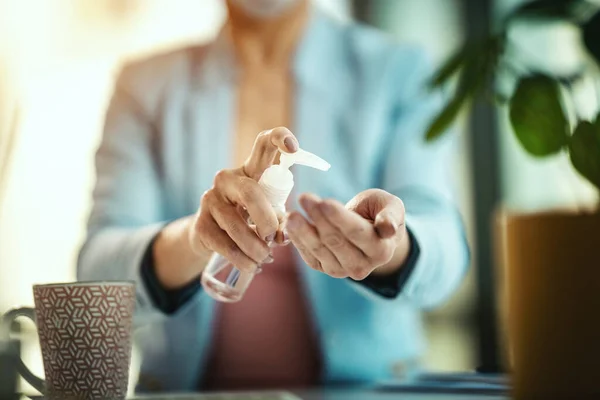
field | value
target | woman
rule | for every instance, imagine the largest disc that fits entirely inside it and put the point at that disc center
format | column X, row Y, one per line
column 349, row 95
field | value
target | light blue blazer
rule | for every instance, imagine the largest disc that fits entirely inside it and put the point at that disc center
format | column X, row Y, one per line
column 361, row 104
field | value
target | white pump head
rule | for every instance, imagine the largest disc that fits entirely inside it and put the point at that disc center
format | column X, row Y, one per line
column 303, row 157
column 277, row 181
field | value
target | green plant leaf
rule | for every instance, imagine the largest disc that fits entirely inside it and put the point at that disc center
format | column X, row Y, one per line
column 478, row 71
column 591, row 36
column 549, row 9
column 443, row 121
column 475, row 73
column 470, row 80
column 450, row 67
column 537, row 116
column 584, row 150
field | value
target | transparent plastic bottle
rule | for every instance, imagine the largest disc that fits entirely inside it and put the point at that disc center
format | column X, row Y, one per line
column 221, row 279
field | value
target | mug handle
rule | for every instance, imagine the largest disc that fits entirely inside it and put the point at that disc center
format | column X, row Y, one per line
column 7, row 320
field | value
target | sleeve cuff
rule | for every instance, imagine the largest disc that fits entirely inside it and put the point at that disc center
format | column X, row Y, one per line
column 390, row 286
column 168, row 301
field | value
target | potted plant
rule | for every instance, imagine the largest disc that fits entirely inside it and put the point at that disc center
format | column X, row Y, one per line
column 551, row 259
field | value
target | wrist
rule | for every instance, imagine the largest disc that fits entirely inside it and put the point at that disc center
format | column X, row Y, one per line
column 399, row 257
column 176, row 263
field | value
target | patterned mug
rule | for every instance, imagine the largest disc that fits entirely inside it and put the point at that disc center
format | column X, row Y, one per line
column 84, row 330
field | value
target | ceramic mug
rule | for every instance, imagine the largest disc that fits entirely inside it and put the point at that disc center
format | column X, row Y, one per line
column 84, row 330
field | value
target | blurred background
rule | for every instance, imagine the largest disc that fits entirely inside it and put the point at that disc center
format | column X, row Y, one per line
column 58, row 60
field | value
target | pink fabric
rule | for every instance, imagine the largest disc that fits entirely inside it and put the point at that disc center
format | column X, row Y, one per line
column 266, row 340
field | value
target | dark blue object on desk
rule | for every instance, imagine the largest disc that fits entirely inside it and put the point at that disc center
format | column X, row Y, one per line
column 451, row 383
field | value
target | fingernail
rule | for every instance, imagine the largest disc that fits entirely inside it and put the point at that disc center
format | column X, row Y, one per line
column 286, row 237
column 270, row 237
column 385, row 229
column 268, row 260
column 291, row 144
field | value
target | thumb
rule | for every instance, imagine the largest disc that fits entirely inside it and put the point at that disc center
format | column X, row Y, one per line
column 383, row 208
column 266, row 148
column 390, row 219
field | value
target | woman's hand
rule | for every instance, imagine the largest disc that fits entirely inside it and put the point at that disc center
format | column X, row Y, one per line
column 220, row 225
column 366, row 236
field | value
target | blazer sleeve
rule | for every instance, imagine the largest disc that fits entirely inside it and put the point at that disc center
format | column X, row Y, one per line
column 127, row 200
column 419, row 173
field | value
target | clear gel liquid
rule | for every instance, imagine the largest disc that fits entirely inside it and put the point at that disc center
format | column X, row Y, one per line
column 223, row 281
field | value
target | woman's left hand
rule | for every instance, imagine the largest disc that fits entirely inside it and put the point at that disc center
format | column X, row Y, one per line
column 365, row 236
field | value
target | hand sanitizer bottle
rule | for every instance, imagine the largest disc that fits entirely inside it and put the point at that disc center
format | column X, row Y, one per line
column 221, row 279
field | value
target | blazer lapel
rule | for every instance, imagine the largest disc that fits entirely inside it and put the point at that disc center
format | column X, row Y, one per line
column 210, row 109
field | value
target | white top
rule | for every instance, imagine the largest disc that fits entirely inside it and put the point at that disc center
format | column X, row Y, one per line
column 278, row 181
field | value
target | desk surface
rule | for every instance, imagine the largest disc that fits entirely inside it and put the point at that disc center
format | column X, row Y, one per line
column 366, row 394
column 319, row 395
column 331, row 394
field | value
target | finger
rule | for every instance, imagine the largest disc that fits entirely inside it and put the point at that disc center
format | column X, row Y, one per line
column 266, row 148
column 243, row 213
column 383, row 208
column 389, row 221
column 241, row 190
column 307, row 240
column 260, row 211
column 282, row 238
column 355, row 228
column 219, row 241
column 228, row 219
column 350, row 257
column 305, row 253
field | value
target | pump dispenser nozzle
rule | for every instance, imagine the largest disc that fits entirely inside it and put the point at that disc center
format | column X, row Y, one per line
column 303, row 157
column 277, row 181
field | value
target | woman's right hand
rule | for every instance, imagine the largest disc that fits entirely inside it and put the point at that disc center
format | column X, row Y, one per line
column 220, row 224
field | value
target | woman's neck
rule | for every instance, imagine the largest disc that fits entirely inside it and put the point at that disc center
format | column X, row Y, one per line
column 261, row 42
